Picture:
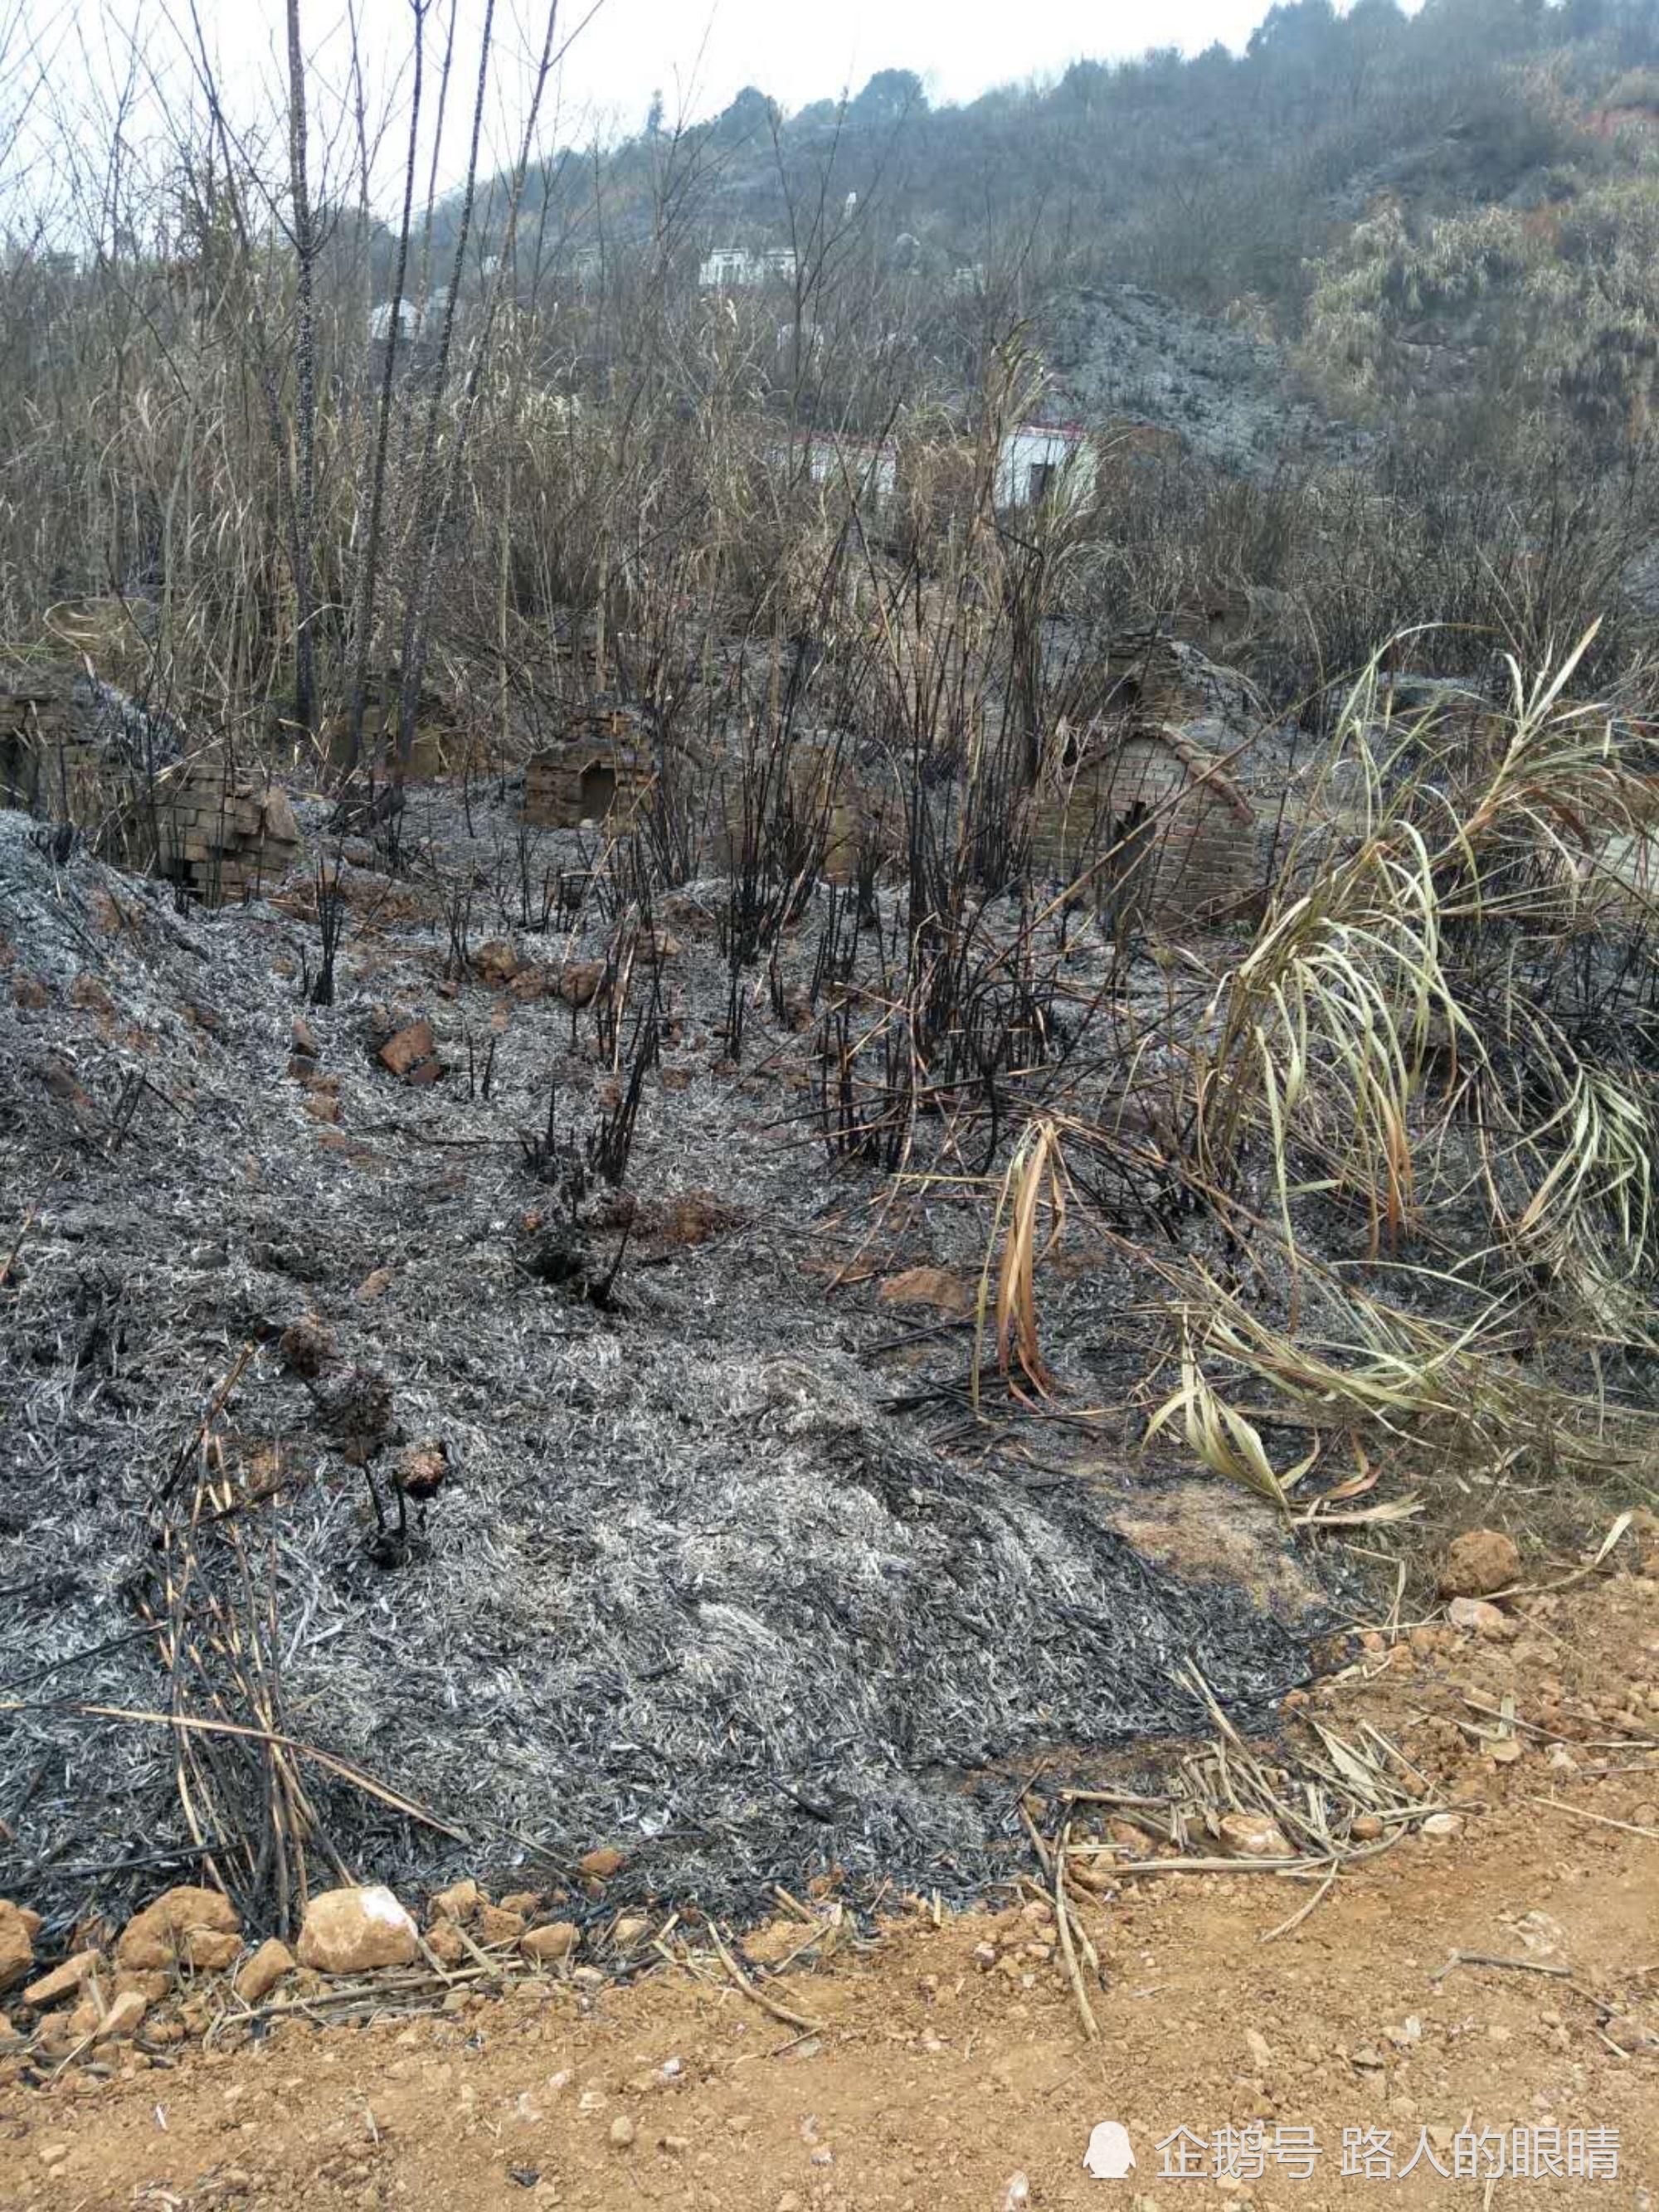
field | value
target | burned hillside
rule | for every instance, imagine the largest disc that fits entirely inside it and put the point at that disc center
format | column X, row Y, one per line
column 700, row 1568
column 507, row 1348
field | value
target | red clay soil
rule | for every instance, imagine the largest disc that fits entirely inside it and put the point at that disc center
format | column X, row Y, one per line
column 938, row 2079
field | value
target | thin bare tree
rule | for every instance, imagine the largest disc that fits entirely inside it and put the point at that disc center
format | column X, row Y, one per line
column 305, row 362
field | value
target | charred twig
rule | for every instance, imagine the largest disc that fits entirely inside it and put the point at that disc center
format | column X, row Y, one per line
column 330, row 927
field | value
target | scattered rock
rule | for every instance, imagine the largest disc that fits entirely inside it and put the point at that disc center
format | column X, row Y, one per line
column 304, row 1038
column 1366, row 1828
column 16, row 1943
column 936, row 1287
column 305, row 1348
column 198, row 1926
column 444, row 1943
column 557, row 1941
column 62, row 1982
column 623, row 2131
column 262, row 1972
column 277, row 818
column 494, row 1924
column 579, row 980
column 1440, row 1826
column 418, row 1471
column 600, row 1865
column 56, row 2037
column 496, row 963
column 86, row 991
column 348, row 1931
column 123, row 2017
column 412, row 1053
column 458, row 1902
column 356, row 1412
column 1479, row 1618
column 1250, row 1836
column 374, row 1285
column 1478, row 1563
column 150, row 1982
column 692, row 1218
column 629, row 1930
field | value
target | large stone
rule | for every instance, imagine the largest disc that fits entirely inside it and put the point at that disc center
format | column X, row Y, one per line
column 1477, row 1563
column 16, row 1943
column 348, row 1931
column 197, row 1926
column 600, row 1865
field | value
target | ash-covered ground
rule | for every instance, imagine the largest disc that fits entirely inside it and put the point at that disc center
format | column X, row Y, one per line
column 715, row 1570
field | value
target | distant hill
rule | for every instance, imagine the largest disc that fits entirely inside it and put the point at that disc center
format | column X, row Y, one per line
column 1455, row 213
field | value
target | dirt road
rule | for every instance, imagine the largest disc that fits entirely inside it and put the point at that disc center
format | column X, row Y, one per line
column 949, row 2062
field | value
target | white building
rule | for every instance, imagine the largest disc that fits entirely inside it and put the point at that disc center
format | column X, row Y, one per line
column 870, row 469
column 413, row 320
column 404, row 313
column 735, row 269
column 1035, row 457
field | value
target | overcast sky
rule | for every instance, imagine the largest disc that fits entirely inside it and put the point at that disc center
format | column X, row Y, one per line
column 697, row 53
column 701, row 55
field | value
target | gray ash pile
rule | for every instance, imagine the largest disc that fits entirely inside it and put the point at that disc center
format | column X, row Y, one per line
column 300, row 1428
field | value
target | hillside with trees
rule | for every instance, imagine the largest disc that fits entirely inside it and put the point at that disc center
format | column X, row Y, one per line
column 1462, row 198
